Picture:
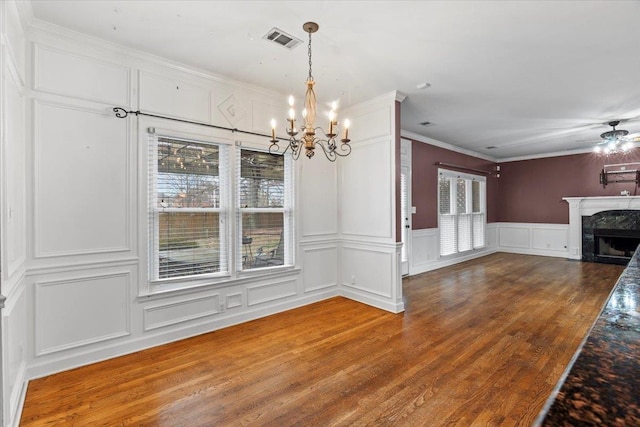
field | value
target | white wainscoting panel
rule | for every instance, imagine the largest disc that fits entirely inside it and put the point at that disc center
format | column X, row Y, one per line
column 14, row 176
column 426, row 251
column 320, row 267
column 82, row 77
column 514, row 236
column 534, row 239
column 522, row 238
column 549, row 239
column 234, row 300
column 370, row 273
column 317, row 190
column 158, row 316
column 82, row 182
column 174, row 97
column 367, row 269
column 492, row 235
column 76, row 311
column 271, row 291
column 366, row 190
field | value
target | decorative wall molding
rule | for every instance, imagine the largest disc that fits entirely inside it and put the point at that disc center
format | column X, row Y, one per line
column 521, row 238
column 425, row 254
column 162, row 315
column 59, row 156
column 174, row 97
column 533, row 239
column 61, row 323
column 269, row 292
column 74, row 75
column 320, row 267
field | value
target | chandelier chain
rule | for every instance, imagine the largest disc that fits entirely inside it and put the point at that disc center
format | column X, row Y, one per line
column 309, row 53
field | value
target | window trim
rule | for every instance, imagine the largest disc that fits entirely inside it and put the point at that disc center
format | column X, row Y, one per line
column 469, row 203
column 149, row 287
column 287, row 215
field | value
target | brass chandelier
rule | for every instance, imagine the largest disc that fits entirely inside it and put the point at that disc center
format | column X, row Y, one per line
column 308, row 140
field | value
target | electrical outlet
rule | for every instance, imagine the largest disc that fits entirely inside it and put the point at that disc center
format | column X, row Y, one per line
column 353, row 279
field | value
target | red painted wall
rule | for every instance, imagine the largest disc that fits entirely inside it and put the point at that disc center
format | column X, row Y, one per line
column 532, row 190
column 424, row 182
column 528, row 191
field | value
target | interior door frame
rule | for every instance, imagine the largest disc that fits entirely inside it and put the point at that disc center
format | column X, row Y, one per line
column 406, row 224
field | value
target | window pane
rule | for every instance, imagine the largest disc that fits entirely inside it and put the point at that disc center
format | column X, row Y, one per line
column 447, row 234
column 262, row 239
column 478, row 230
column 189, row 243
column 475, row 196
column 261, row 180
column 461, row 196
column 464, row 232
column 187, row 175
column 445, row 195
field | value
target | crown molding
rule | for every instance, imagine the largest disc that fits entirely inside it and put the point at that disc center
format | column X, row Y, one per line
column 435, row 142
column 546, row 155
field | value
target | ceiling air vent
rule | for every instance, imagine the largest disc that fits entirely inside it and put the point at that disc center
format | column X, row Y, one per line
column 283, row 39
column 426, row 124
column 491, row 147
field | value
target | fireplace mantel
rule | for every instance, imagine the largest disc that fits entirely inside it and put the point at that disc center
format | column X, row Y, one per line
column 587, row 206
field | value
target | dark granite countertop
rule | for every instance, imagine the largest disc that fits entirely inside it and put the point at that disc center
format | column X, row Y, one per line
column 602, row 386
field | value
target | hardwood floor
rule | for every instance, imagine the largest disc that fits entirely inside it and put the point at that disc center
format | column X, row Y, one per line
column 480, row 343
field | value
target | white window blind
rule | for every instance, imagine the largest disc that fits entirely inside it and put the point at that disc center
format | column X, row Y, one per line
column 187, row 193
column 461, row 215
column 447, row 220
column 264, row 202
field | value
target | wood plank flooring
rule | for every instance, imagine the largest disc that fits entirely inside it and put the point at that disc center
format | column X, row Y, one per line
column 480, row 343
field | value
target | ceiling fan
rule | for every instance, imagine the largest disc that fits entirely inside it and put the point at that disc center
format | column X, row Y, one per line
column 616, row 140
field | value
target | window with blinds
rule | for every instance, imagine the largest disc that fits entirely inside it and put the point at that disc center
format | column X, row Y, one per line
column 461, row 212
column 186, row 208
column 264, row 210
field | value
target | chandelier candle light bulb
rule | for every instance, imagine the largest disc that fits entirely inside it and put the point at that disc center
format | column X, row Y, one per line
column 273, row 130
column 347, row 123
column 308, row 137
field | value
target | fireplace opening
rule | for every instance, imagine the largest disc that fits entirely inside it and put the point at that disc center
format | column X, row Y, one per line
column 615, row 246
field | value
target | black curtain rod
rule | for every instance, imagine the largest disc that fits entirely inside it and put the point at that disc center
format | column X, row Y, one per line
column 462, row 167
column 122, row 113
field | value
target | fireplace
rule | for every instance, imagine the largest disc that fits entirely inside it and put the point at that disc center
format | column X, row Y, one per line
column 586, row 214
column 615, row 246
column 611, row 236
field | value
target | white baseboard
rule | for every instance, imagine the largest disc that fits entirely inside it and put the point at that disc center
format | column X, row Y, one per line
column 448, row 261
column 16, row 400
column 367, row 298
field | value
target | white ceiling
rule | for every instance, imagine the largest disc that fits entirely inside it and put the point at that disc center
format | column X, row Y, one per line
column 529, row 77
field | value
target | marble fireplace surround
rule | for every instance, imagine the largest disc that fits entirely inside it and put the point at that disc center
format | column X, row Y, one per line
column 587, row 206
